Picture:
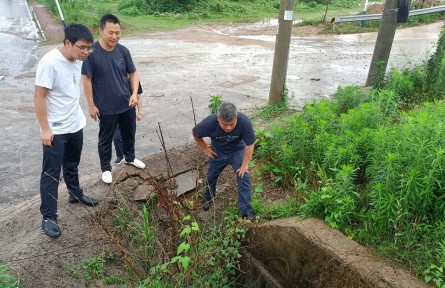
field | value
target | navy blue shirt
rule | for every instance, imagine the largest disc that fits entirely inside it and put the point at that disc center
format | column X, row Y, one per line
column 109, row 72
column 222, row 141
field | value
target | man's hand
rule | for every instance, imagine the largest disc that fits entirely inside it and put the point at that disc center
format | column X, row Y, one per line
column 47, row 137
column 209, row 152
column 94, row 112
column 242, row 170
column 133, row 100
column 248, row 152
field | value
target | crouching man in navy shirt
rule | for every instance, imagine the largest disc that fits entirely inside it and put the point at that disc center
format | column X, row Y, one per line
column 232, row 143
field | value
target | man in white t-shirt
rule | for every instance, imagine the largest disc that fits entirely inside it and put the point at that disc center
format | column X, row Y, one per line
column 61, row 120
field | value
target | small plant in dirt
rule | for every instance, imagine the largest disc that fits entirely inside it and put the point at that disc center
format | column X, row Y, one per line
column 207, row 257
column 270, row 112
column 93, row 269
column 435, row 274
column 7, row 280
column 214, row 103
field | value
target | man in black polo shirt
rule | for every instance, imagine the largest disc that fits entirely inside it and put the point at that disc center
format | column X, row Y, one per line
column 108, row 94
column 232, row 143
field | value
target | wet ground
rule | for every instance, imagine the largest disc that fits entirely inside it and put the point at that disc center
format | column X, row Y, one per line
column 18, row 36
column 188, row 65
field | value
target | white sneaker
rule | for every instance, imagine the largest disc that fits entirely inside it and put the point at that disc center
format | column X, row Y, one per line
column 107, row 177
column 136, row 163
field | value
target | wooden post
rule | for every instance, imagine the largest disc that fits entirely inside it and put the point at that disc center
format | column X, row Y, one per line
column 281, row 55
column 384, row 41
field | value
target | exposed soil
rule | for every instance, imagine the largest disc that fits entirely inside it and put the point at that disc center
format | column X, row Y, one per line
column 45, row 262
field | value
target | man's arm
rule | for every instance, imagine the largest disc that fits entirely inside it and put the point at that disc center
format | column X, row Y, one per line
column 46, row 135
column 134, row 87
column 88, row 90
column 139, row 107
column 206, row 148
column 248, row 152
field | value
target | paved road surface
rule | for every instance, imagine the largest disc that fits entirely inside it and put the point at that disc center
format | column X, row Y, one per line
column 18, row 36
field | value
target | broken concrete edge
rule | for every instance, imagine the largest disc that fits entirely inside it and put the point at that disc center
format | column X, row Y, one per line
column 184, row 176
column 298, row 253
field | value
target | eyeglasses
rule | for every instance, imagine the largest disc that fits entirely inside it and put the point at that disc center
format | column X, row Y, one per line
column 85, row 48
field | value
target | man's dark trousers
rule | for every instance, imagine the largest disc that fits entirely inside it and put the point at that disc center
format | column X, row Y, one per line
column 107, row 127
column 65, row 152
column 217, row 165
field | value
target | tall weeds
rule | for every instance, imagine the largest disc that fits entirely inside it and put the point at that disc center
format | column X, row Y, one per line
column 375, row 163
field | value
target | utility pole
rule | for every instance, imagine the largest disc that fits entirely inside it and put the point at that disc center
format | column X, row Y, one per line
column 384, row 41
column 281, row 55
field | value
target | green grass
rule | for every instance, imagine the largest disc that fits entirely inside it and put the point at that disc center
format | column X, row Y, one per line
column 371, row 164
column 205, row 12
column 140, row 20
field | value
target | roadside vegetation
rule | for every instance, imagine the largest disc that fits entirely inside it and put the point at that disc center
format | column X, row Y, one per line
column 371, row 164
column 143, row 16
column 139, row 16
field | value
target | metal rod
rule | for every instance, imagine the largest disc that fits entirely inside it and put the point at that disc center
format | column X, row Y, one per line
column 61, row 14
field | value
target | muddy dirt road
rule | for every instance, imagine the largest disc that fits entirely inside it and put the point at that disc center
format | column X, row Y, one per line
column 175, row 67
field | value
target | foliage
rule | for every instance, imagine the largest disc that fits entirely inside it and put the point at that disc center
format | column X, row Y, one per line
column 206, row 257
column 93, row 270
column 349, row 97
column 7, row 280
column 133, row 7
column 214, row 103
column 270, row 112
column 436, row 70
column 371, row 164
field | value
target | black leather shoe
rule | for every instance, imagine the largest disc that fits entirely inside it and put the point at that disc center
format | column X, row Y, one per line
column 249, row 216
column 50, row 227
column 205, row 205
column 83, row 199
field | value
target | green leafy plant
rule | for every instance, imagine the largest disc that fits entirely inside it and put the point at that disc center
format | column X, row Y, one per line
column 434, row 274
column 203, row 258
column 93, row 269
column 371, row 164
column 7, row 280
column 214, row 103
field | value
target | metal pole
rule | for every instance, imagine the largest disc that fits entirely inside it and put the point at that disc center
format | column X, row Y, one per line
column 364, row 12
column 60, row 13
column 281, row 55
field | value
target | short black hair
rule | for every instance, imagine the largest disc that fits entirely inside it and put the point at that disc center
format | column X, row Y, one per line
column 108, row 18
column 75, row 32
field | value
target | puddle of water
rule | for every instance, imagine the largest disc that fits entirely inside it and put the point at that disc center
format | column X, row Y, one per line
column 265, row 23
column 270, row 22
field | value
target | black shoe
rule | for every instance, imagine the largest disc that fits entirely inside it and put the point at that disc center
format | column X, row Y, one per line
column 249, row 216
column 119, row 161
column 205, row 205
column 83, row 199
column 50, row 227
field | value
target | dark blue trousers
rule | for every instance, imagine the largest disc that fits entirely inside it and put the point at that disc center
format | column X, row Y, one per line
column 65, row 152
column 217, row 165
column 107, row 127
column 117, row 140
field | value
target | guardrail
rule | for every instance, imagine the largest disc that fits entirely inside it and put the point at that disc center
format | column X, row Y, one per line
column 352, row 18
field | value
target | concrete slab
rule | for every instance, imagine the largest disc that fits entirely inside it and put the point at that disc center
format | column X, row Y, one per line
column 185, row 182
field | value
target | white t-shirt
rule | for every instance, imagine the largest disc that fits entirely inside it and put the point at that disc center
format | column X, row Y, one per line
column 62, row 77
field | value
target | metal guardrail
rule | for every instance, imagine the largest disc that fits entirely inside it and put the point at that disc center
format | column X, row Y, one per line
column 352, row 18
